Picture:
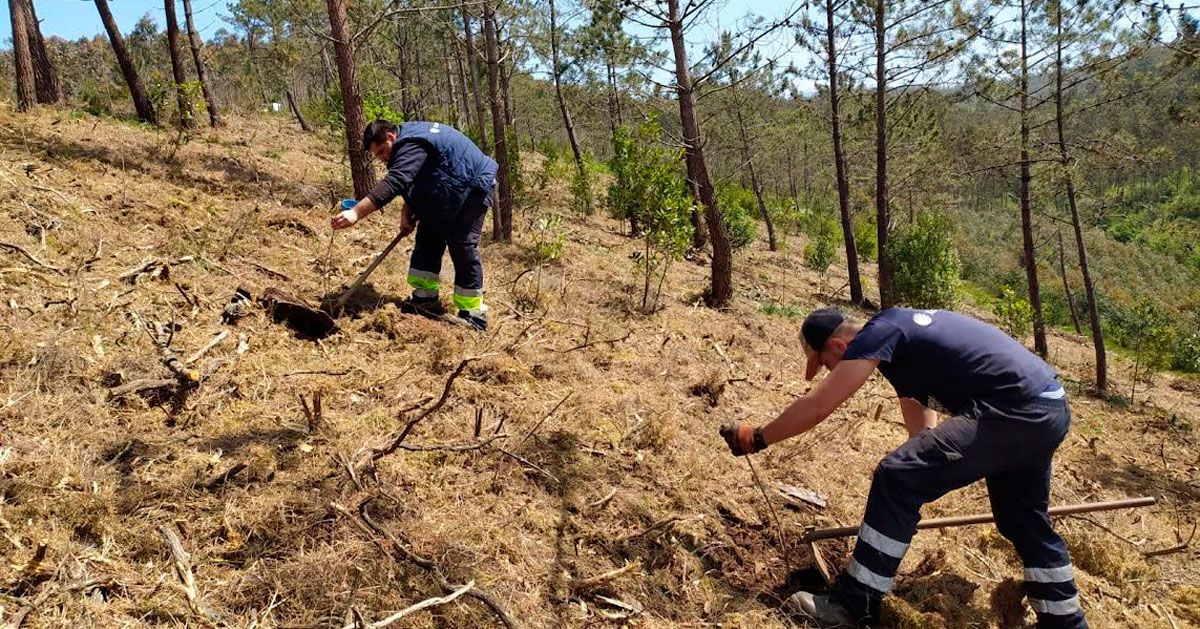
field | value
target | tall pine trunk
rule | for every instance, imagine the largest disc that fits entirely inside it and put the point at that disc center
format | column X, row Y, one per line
column 839, row 161
column 476, row 87
column 883, row 219
column 45, row 77
column 141, row 103
column 755, row 184
column 1067, row 162
column 504, row 204
column 22, row 59
column 721, row 289
column 614, row 99
column 454, row 110
column 352, row 105
column 463, row 85
column 1031, row 275
column 187, row 117
column 214, row 117
column 556, row 72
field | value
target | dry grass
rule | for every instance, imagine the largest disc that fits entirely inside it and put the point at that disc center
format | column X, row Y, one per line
column 629, row 471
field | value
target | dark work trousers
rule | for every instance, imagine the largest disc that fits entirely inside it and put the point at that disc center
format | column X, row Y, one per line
column 1011, row 450
column 460, row 232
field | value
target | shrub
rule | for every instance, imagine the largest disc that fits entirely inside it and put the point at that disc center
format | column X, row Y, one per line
column 925, row 264
column 581, row 190
column 1014, row 312
column 1186, row 356
column 823, row 240
column 865, row 239
column 739, row 208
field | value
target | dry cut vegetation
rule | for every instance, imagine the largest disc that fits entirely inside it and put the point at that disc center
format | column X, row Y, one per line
column 562, row 470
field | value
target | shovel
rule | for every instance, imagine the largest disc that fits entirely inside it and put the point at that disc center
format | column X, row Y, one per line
column 362, row 277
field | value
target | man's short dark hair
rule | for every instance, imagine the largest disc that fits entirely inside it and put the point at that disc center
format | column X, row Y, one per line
column 376, row 132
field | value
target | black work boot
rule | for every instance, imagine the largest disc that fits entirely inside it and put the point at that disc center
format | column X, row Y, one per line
column 424, row 306
column 476, row 320
column 820, row 610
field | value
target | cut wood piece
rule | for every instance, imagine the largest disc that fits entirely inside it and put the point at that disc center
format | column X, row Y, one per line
column 797, row 495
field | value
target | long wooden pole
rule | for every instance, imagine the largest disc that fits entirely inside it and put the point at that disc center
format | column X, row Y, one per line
column 984, row 518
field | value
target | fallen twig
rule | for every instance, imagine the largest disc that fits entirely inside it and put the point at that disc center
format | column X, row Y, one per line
column 395, row 442
column 603, row 501
column 21, row 250
column 271, row 272
column 527, row 462
column 151, row 265
column 578, row 586
column 453, row 447
column 216, row 340
column 394, row 547
column 587, row 343
column 429, row 602
column 1180, row 547
column 224, row 477
column 544, row 418
column 657, row 526
column 183, row 570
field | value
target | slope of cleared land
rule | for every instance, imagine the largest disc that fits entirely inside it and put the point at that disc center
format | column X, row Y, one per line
column 577, row 438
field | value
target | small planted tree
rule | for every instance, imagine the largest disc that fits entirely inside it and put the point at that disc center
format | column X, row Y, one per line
column 925, row 263
column 1148, row 329
column 822, row 245
column 647, row 185
column 1014, row 312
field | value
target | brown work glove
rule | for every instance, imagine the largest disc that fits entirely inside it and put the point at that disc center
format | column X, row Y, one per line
column 742, row 438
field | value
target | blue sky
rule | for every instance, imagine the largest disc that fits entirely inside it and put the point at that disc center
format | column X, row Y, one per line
column 72, row 19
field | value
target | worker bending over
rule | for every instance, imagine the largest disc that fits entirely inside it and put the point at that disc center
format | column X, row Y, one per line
column 1008, row 414
column 445, row 183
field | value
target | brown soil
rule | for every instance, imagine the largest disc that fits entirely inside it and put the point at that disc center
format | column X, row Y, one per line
column 629, row 471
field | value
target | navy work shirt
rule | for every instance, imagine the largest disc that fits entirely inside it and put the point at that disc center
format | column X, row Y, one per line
column 950, row 362
column 406, row 161
column 436, row 169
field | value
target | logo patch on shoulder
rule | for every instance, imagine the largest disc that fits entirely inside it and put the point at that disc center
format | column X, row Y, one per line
column 923, row 318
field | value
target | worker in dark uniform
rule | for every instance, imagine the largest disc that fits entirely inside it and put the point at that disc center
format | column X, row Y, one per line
column 445, row 183
column 1008, row 414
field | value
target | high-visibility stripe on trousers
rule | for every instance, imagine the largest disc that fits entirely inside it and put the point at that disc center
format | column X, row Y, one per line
column 459, row 232
column 1011, row 450
column 423, row 283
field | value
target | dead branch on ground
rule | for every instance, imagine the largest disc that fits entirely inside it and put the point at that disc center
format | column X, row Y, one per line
column 183, row 571
column 586, row 343
column 394, row 443
column 578, row 586
column 396, row 550
column 158, row 268
column 216, row 340
column 1180, row 547
column 429, row 602
column 32, row 258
